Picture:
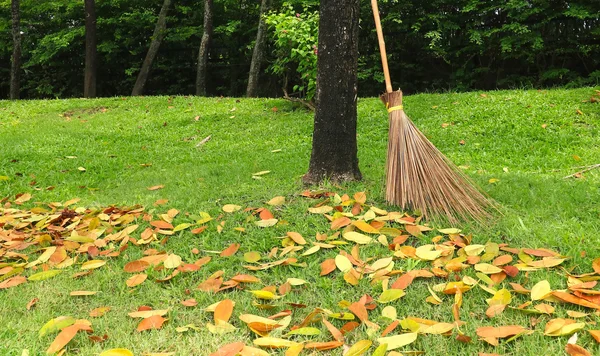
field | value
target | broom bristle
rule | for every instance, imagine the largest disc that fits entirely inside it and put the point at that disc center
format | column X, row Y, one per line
column 420, row 177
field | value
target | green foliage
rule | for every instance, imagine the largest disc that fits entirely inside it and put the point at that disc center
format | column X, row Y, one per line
column 295, row 36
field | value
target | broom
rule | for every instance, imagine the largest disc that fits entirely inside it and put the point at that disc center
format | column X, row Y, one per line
column 418, row 175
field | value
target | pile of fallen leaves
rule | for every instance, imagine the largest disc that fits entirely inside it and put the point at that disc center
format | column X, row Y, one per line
column 44, row 241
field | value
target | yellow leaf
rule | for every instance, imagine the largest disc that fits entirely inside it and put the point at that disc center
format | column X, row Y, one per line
column 541, row 290
column 278, row 200
column 474, row 250
column 172, row 261
column 357, row 237
column 389, row 312
column 427, row 252
column 390, row 295
column 296, row 281
column 231, row 208
column 365, row 227
column 266, row 223
column 311, row 250
column 93, row 264
column 493, row 180
column 320, row 210
column 261, row 173
column 343, row 263
column 81, row 293
column 437, row 329
column 487, row 268
column 501, row 297
column 265, row 295
column 40, row 276
column 397, row 341
column 56, row 324
column 450, row 231
column 359, row 348
column 252, row 257
column 274, row 342
column 117, row 352
column 181, row 227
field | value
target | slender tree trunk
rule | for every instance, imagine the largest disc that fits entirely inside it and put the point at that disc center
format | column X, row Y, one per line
column 159, row 34
column 258, row 52
column 89, row 86
column 204, row 48
column 15, row 69
column 334, row 149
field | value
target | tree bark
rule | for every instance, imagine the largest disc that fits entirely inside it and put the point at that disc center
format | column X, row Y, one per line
column 89, row 86
column 204, row 48
column 15, row 69
column 334, row 149
column 258, row 52
column 159, row 34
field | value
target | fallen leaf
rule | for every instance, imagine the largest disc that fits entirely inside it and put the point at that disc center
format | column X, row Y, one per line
column 152, row 322
column 231, row 208
column 223, row 310
column 117, row 352
column 231, row 250
column 156, row 187
column 136, row 280
column 359, row 348
column 397, row 341
column 276, row 201
column 63, row 338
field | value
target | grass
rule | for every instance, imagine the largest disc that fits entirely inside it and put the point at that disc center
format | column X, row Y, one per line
column 129, row 144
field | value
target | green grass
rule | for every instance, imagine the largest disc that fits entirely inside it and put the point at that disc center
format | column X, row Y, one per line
column 114, row 138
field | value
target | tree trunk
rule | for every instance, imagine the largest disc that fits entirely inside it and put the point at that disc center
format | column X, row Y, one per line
column 15, row 69
column 258, row 52
column 334, row 149
column 159, row 34
column 204, row 48
column 89, row 86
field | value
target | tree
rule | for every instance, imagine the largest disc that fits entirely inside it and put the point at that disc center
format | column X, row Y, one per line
column 204, row 48
column 258, row 52
column 334, row 148
column 15, row 69
column 160, row 32
column 89, row 86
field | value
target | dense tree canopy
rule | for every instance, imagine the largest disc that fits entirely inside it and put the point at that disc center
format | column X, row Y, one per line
column 433, row 45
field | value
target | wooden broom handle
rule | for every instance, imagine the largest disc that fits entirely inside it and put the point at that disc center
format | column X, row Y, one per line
column 384, row 62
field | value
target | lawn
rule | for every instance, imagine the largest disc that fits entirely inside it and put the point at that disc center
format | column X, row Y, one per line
column 517, row 145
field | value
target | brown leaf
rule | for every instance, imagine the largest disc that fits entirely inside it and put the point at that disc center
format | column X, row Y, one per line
column 136, row 266
column 229, row 349
column 223, row 310
column 156, row 187
column 63, row 338
column 189, row 302
column 297, row 238
column 232, row 249
column 32, row 303
column 153, row 322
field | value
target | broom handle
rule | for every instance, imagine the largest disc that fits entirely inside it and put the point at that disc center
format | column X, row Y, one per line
column 384, row 62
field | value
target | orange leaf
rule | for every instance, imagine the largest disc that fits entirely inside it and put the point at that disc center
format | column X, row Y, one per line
column 340, row 222
column 12, row 282
column 322, row 346
column 136, row 280
column 229, row 349
column 360, row 311
column 327, row 266
column 99, row 311
column 595, row 334
column 569, row 298
column 576, row 350
column 297, row 238
column 265, row 214
column 232, row 249
column 245, row 278
column 404, row 281
column 365, row 227
column 393, row 325
column 223, row 310
column 349, row 326
column 596, row 265
column 32, row 303
column 161, row 224
column 153, row 322
column 413, row 230
column 502, row 260
column 63, row 338
column 136, row 266
column 156, row 187
column 500, row 332
column 360, row 197
column 337, row 335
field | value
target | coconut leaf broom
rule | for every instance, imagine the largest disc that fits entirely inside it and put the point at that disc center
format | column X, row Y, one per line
column 418, row 175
